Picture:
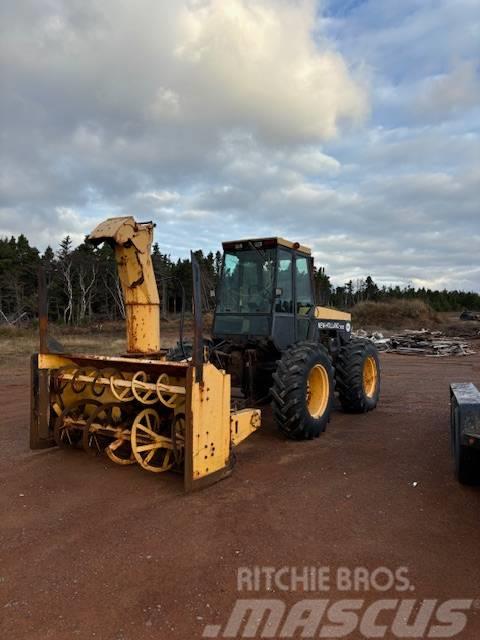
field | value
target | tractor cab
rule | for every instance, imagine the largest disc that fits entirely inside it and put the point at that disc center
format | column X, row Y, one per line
column 265, row 291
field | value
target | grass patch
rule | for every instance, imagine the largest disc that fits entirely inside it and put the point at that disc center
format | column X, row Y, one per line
column 18, row 344
column 394, row 314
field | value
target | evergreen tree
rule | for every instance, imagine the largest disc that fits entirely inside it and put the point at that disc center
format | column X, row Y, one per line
column 83, row 283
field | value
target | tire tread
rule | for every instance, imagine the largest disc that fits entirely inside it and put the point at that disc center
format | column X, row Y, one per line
column 288, row 388
column 349, row 376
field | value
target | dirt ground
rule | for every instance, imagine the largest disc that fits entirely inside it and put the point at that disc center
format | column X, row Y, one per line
column 92, row 550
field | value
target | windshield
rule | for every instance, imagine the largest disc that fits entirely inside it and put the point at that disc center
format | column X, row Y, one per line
column 246, row 285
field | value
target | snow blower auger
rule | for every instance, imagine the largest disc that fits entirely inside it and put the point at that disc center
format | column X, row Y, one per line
column 138, row 407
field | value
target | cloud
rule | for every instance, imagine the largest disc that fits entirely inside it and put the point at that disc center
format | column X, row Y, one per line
column 104, row 99
column 349, row 126
column 162, row 197
column 314, row 162
column 450, row 93
column 245, row 70
column 48, row 229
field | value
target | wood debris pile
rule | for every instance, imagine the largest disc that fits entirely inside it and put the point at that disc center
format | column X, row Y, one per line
column 421, row 342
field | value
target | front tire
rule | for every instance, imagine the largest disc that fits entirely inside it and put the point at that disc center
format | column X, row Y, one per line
column 302, row 391
column 358, row 376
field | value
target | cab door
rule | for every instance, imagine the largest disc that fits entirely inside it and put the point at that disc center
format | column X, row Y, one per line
column 304, row 301
column 283, row 330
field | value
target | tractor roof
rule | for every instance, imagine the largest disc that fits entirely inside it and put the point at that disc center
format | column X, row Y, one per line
column 265, row 243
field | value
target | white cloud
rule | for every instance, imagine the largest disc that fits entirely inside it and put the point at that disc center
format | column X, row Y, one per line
column 163, row 197
column 314, row 162
column 450, row 93
column 46, row 229
column 245, row 69
column 232, row 118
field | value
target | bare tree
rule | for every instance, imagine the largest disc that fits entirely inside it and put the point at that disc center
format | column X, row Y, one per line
column 86, row 280
column 66, row 269
column 65, row 266
column 115, row 290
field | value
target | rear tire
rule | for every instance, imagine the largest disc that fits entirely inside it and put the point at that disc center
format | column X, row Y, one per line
column 358, row 376
column 302, row 391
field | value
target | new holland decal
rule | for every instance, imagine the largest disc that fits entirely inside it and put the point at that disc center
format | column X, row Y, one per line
column 338, row 325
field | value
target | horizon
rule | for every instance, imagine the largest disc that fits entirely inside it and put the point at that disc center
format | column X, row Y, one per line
column 335, row 282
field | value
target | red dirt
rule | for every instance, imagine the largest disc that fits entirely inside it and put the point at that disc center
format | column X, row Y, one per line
column 93, row 550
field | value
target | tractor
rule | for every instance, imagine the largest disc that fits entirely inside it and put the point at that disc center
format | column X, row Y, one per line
column 186, row 411
column 277, row 345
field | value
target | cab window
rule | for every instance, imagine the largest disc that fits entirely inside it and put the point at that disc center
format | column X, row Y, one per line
column 246, row 284
column 303, row 286
column 284, row 293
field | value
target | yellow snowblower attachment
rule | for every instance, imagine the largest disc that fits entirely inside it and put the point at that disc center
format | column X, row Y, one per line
column 138, row 407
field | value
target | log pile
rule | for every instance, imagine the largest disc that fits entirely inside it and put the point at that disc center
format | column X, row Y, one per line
column 421, row 342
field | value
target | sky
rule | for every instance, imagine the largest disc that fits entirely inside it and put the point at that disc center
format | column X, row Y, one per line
column 351, row 126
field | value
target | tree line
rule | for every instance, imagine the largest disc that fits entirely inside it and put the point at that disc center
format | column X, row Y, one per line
column 353, row 292
column 83, row 285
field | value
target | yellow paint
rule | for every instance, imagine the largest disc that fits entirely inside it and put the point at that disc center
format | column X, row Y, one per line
column 210, row 423
column 327, row 313
column 291, row 245
column 69, row 358
column 53, row 361
column 318, row 391
column 370, row 376
column 243, row 423
column 132, row 242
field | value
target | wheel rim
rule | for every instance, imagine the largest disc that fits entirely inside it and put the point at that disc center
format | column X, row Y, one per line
column 152, row 450
column 370, row 376
column 318, row 391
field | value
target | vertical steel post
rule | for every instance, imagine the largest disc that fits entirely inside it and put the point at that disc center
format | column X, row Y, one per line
column 197, row 355
column 43, row 310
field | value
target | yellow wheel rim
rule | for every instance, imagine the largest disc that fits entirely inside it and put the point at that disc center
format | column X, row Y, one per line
column 370, row 376
column 318, row 391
